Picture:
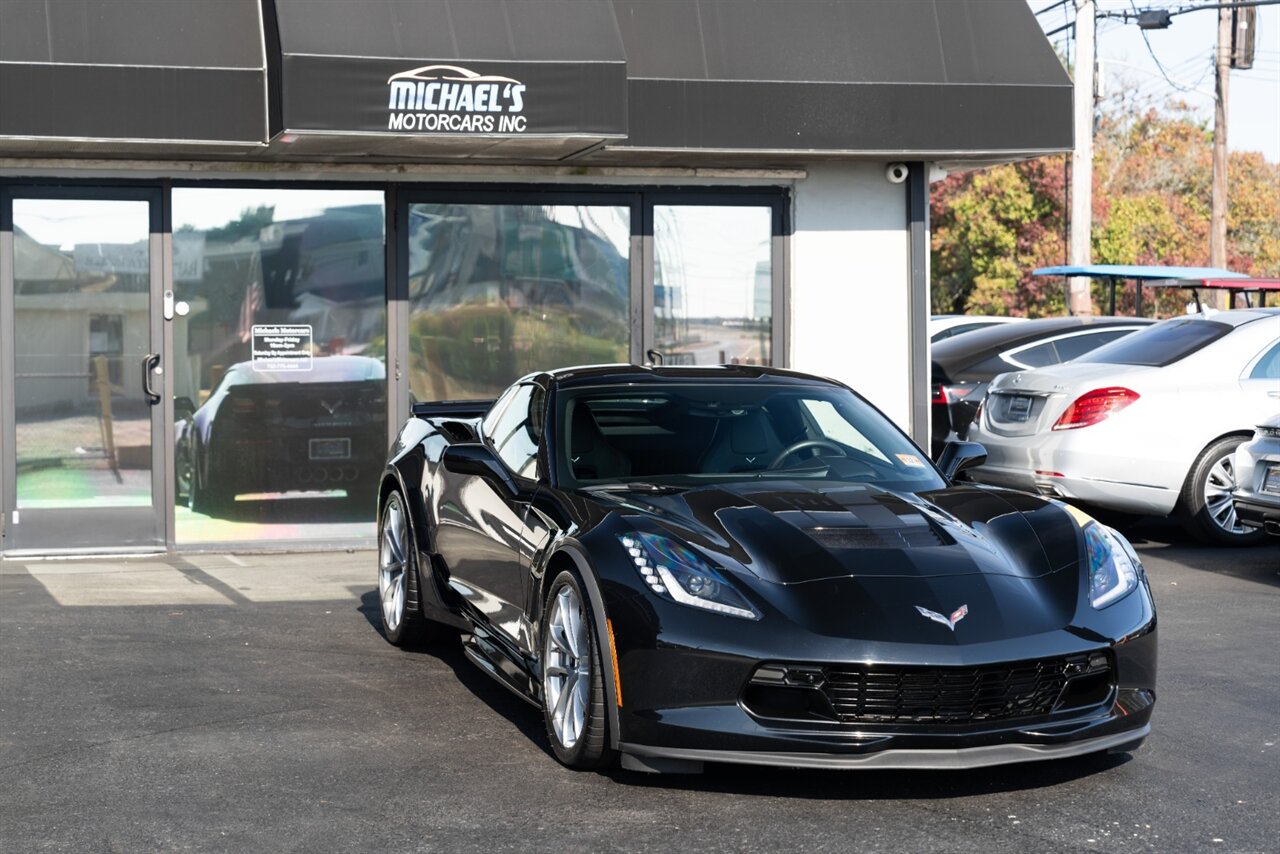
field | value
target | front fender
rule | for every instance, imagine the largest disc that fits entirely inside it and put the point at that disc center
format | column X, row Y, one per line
column 575, row 551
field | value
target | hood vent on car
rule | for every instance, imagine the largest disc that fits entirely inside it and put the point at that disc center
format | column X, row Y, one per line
column 878, row 538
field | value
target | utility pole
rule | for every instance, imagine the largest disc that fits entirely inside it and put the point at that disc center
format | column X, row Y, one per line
column 1218, row 206
column 1079, row 301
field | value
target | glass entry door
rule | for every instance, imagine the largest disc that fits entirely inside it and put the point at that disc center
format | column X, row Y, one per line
column 80, row 370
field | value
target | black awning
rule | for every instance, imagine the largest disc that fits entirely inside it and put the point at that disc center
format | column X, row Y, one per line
column 414, row 76
column 125, row 75
column 742, row 82
column 908, row 77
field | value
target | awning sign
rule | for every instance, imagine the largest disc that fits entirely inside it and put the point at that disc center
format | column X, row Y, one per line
column 281, row 348
column 452, row 99
column 419, row 97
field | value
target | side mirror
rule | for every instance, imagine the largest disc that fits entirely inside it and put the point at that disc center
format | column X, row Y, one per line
column 476, row 459
column 958, row 456
column 184, row 407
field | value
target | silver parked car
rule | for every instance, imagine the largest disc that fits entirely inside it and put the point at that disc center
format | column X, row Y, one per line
column 944, row 326
column 1257, row 463
column 1146, row 424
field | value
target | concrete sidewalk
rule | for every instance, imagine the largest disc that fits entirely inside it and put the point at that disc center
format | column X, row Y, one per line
column 201, row 579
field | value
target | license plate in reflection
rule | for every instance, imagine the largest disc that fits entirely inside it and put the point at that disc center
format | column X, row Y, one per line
column 1271, row 483
column 329, row 449
column 1019, row 408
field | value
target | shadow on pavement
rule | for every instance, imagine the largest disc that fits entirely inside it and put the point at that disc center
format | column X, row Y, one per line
column 448, row 650
column 1155, row 535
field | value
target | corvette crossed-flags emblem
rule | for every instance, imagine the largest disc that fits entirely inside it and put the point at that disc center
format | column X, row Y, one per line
column 956, row 616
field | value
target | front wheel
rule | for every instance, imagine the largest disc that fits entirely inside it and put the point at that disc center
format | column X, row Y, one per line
column 1206, row 504
column 573, row 695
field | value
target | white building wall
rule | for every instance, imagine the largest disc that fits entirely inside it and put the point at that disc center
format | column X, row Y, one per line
column 851, row 283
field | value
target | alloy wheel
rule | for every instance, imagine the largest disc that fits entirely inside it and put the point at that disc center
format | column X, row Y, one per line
column 1217, row 496
column 392, row 563
column 566, row 660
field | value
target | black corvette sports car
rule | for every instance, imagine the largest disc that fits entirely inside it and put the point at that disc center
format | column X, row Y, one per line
column 263, row 431
column 741, row 564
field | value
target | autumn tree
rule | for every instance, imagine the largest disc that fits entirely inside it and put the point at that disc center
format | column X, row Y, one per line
column 1152, row 186
column 991, row 228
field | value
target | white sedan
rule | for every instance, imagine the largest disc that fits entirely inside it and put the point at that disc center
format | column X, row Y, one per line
column 1146, row 424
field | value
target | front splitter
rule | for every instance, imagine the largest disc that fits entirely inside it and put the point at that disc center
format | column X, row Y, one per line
column 984, row 756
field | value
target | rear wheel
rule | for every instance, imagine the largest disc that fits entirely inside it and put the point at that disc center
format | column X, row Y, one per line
column 205, row 494
column 573, row 677
column 1206, row 504
column 184, row 475
column 397, row 565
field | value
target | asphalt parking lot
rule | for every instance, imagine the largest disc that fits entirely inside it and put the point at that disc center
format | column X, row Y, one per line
column 248, row 703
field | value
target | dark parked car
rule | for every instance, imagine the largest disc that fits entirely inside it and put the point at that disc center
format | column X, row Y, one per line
column 281, row 431
column 964, row 365
column 741, row 564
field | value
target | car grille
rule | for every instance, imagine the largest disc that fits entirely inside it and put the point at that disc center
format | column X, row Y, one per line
column 862, row 695
column 876, row 694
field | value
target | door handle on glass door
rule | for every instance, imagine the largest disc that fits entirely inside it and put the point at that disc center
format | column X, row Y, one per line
column 150, row 362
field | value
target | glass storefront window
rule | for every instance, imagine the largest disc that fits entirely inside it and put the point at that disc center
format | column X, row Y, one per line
column 499, row 290
column 82, row 279
column 713, row 284
column 279, row 369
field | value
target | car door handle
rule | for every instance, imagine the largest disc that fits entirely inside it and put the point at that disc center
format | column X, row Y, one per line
column 1273, row 394
column 150, row 362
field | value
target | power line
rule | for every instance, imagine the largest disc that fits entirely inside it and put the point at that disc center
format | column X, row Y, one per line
column 1171, row 11
column 1052, row 7
column 1163, row 73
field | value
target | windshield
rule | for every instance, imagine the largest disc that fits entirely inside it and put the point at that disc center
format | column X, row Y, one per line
column 704, row 433
column 1161, row 344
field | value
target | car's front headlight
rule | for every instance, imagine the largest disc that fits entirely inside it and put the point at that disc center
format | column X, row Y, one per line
column 675, row 572
column 1113, row 567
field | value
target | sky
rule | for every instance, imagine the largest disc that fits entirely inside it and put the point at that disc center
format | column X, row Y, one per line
column 1186, row 52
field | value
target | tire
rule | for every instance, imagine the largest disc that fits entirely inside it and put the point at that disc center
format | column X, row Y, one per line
column 577, row 725
column 1205, row 505
column 184, row 476
column 402, row 624
column 205, row 494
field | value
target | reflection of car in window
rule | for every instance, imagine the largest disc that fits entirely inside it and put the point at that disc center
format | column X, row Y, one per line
column 321, row 429
column 513, row 253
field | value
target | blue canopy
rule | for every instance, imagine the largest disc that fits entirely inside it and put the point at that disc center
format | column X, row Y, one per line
column 1137, row 271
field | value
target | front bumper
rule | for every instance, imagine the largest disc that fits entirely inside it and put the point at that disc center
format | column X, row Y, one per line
column 687, row 704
